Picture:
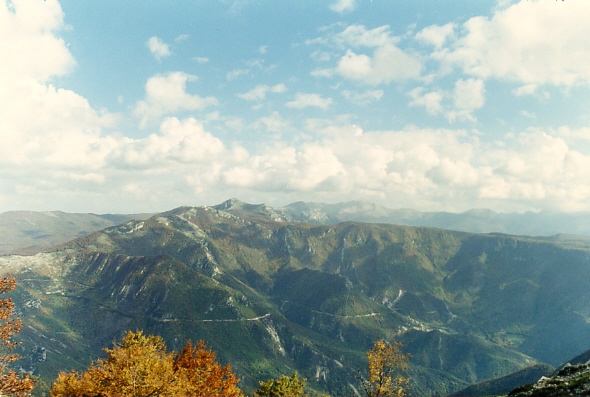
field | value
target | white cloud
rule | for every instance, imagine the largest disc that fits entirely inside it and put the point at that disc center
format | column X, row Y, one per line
column 363, row 98
column 158, row 48
column 167, row 94
column 529, row 42
column 42, row 125
column 467, row 96
column 272, row 123
column 302, row 101
column 235, row 74
column 259, row 92
column 384, row 64
column 343, row 5
column 32, row 25
column 322, row 72
column 201, row 60
column 359, row 36
column 321, row 56
column 60, row 152
column 431, row 100
column 184, row 142
column 531, row 89
column 387, row 64
column 436, row 35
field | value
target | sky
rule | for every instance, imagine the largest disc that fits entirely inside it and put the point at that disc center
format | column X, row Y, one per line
column 143, row 106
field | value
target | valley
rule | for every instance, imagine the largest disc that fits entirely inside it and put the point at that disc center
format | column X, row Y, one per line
column 271, row 294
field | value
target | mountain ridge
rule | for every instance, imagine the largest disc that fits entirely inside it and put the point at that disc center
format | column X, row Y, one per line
column 31, row 232
column 271, row 295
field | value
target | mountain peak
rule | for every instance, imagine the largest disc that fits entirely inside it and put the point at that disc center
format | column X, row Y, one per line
column 230, row 203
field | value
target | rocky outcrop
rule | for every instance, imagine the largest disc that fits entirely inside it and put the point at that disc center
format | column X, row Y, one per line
column 571, row 380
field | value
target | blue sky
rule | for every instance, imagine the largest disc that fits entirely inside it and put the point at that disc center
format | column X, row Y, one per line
column 147, row 105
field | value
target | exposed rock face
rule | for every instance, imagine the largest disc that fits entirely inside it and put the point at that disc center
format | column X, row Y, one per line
column 272, row 296
column 571, row 380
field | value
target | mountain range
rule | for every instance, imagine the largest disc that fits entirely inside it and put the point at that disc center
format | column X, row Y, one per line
column 29, row 231
column 274, row 290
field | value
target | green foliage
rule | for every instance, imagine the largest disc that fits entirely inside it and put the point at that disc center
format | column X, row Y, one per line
column 235, row 280
column 285, row 386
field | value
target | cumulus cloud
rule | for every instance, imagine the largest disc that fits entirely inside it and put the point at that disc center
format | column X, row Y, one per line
column 384, row 63
column 363, row 98
column 457, row 105
column 529, row 42
column 166, row 95
column 467, row 97
column 423, row 168
column 25, row 25
column 436, row 35
column 343, row 5
column 430, row 100
column 180, row 141
column 58, row 151
column 302, row 101
column 42, row 124
column 235, row 74
column 158, row 48
column 259, row 92
column 272, row 123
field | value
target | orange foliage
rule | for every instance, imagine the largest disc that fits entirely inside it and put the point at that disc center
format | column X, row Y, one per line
column 140, row 366
column 200, row 373
column 386, row 365
column 10, row 382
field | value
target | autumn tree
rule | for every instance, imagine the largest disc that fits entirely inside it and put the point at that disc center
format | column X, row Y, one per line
column 285, row 386
column 141, row 366
column 199, row 373
column 386, row 366
column 11, row 383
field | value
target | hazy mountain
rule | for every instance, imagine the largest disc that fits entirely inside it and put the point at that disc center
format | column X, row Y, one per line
column 271, row 295
column 474, row 221
column 503, row 386
column 29, row 231
column 570, row 379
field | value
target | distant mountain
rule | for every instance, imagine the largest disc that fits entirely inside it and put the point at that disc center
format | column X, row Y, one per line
column 29, row 231
column 570, row 379
column 504, row 385
column 271, row 295
column 473, row 221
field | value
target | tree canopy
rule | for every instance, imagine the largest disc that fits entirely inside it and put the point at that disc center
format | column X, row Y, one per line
column 141, row 366
column 285, row 386
column 385, row 369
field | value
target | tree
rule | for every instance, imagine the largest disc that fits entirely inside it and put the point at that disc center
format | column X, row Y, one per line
column 285, row 386
column 386, row 365
column 11, row 383
column 141, row 366
column 200, row 374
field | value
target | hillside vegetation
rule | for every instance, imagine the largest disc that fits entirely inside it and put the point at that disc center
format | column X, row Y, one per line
column 272, row 296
